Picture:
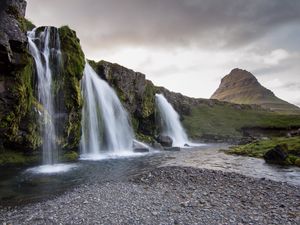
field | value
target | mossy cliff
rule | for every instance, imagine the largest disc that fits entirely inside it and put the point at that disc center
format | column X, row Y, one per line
column 18, row 128
column 136, row 93
column 19, row 119
column 68, row 87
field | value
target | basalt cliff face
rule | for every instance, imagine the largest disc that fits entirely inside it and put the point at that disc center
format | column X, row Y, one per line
column 19, row 106
column 17, row 116
column 241, row 87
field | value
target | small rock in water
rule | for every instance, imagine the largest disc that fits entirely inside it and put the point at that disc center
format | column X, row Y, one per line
column 165, row 141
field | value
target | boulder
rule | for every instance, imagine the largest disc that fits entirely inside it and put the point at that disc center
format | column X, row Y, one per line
column 276, row 155
column 157, row 146
column 141, row 150
column 165, row 141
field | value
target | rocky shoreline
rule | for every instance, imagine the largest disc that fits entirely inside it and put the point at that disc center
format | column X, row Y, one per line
column 168, row 195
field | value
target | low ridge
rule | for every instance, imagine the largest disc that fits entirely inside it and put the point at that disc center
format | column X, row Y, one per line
column 242, row 87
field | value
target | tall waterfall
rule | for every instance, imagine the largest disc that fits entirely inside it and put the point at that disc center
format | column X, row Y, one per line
column 169, row 122
column 44, row 46
column 105, row 126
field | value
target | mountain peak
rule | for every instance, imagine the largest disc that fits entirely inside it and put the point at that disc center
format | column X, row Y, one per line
column 241, row 87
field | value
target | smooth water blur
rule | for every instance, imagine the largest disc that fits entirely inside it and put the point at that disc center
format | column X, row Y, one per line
column 105, row 126
column 169, row 122
column 209, row 157
column 23, row 185
column 44, row 46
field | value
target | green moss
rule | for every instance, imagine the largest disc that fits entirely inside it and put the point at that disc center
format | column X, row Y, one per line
column 70, row 156
column 17, row 158
column 144, row 138
column 28, row 25
column 297, row 162
column 72, row 72
column 22, row 111
column 259, row 148
column 24, row 24
column 148, row 106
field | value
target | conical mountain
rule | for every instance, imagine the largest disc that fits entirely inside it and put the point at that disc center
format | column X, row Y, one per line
column 242, row 87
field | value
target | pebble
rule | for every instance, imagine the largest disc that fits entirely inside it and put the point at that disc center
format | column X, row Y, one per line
column 168, row 195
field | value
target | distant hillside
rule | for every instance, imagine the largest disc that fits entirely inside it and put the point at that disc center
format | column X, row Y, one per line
column 241, row 87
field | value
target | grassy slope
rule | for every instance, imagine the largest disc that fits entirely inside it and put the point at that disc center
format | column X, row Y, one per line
column 226, row 121
column 259, row 148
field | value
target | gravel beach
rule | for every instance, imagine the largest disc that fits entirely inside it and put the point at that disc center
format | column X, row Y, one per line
column 168, row 195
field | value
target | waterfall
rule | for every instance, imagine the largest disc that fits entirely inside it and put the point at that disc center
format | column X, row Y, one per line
column 105, row 126
column 44, row 46
column 169, row 122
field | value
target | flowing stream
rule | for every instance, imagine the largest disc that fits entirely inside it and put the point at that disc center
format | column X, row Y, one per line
column 18, row 186
column 169, row 122
column 106, row 131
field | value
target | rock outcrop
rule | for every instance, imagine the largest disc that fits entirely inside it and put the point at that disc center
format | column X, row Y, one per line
column 18, row 128
column 241, row 87
column 135, row 92
column 19, row 106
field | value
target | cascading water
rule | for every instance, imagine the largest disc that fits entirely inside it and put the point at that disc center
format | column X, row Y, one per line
column 170, row 123
column 106, row 130
column 44, row 46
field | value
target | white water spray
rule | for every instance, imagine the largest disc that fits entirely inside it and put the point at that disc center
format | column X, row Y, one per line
column 170, row 123
column 106, row 130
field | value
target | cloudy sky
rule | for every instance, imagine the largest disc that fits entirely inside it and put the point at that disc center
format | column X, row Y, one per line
column 187, row 45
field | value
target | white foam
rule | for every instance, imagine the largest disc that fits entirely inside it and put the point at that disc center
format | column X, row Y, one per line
column 111, row 155
column 50, row 169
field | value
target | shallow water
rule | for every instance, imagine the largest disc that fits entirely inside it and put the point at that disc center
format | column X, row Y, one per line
column 25, row 185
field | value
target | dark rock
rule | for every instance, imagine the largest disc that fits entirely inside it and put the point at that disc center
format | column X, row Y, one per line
column 141, row 150
column 157, row 146
column 172, row 149
column 277, row 154
column 12, row 38
column 186, row 145
column 165, row 141
column 294, row 133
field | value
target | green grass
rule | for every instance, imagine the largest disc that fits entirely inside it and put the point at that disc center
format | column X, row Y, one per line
column 227, row 121
column 259, row 148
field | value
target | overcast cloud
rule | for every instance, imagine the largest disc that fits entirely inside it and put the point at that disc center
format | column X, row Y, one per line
column 187, row 45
